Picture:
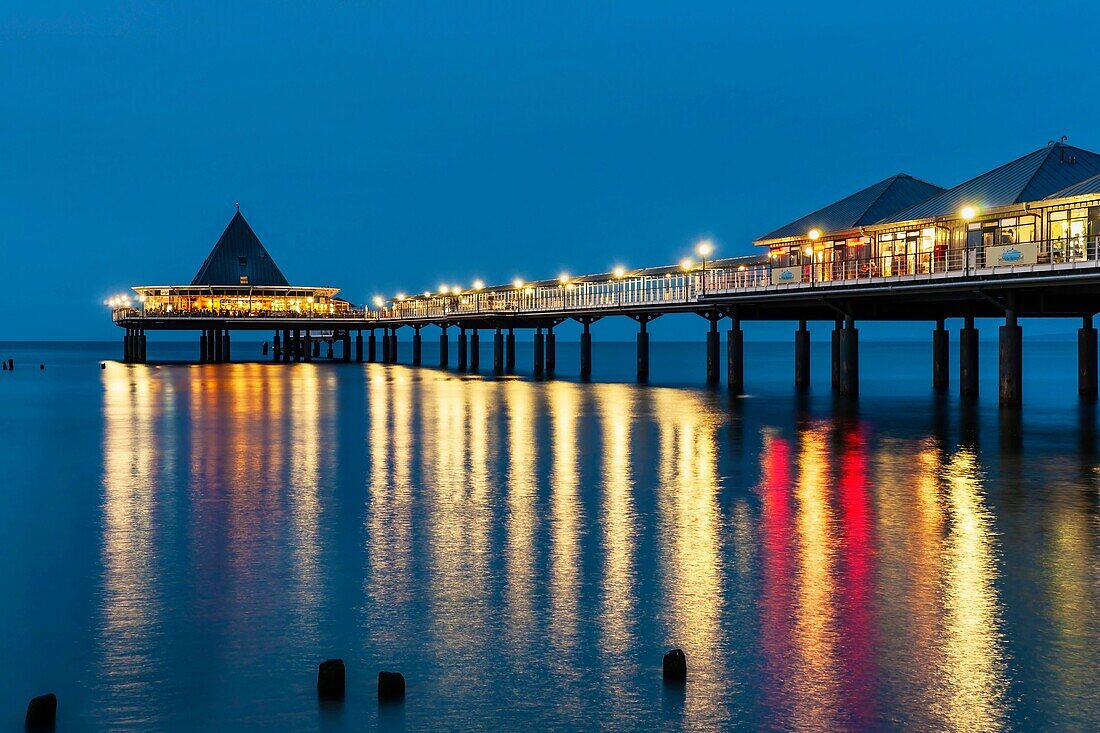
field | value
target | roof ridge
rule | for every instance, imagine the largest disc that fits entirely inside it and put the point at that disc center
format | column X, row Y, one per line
column 889, row 182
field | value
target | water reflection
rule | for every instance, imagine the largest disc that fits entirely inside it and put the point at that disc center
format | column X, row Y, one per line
column 869, row 577
column 691, row 548
column 619, row 521
column 129, row 633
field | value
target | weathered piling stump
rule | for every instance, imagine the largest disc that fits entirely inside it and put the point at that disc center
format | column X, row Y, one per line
column 41, row 713
column 391, row 686
column 330, row 679
column 675, row 666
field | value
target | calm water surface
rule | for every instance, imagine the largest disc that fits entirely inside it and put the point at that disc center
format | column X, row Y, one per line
column 183, row 544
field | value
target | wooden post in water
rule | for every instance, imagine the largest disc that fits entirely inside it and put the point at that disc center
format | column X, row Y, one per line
column 643, row 350
column 712, row 350
column 417, row 356
column 358, row 347
column 443, row 344
column 586, row 349
column 475, row 351
column 837, row 326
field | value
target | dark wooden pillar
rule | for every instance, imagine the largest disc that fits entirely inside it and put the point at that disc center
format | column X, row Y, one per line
column 586, row 349
column 510, row 351
column 849, row 358
column 643, row 350
column 551, row 350
column 461, row 365
column 498, row 352
column 358, row 347
column 475, row 351
column 443, row 345
column 345, row 353
column 418, row 354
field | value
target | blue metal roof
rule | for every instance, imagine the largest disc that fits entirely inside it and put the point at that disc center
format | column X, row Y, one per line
column 239, row 253
column 863, row 207
column 1030, row 178
column 1087, row 186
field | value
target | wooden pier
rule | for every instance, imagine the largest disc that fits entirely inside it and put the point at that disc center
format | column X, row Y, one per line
column 900, row 250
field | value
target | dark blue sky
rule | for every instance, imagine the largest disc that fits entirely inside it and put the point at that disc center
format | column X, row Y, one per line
column 394, row 145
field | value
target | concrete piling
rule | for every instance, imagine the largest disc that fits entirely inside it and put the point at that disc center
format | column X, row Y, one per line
column 1011, row 366
column 443, row 344
column 538, row 366
column 551, row 354
column 643, row 351
column 510, row 351
column 372, row 347
column 849, row 358
column 358, row 347
column 712, row 352
column 735, row 356
column 498, row 352
column 475, row 351
column 837, row 327
column 461, row 365
column 940, row 357
column 1086, row 360
column 345, row 353
column 968, row 358
column 418, row 347
column 802, row 356
column 586, row 351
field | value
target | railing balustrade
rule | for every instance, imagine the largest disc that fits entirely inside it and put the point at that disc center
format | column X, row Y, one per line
column 686, row 287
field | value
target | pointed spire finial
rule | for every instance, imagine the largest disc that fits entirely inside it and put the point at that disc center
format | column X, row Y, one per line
column 238, row 206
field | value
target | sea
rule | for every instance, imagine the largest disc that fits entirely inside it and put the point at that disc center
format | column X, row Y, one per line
column 181, row 545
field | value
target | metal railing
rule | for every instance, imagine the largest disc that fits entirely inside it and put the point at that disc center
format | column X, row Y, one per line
column 689, row 287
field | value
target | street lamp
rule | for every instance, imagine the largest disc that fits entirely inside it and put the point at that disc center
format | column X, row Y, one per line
column 479, row 285
column 967, row 213
column 704, row 248
column 618, row 272
column 814, row 235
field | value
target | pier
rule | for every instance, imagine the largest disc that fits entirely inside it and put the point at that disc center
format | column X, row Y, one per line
column 1020, row 241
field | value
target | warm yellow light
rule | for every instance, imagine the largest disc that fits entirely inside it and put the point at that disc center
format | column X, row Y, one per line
column 619, row 272
column 529, row 290
column 968, row 213
column 808, row 251
column 444, row 289
column 517, row 283
column 427, row 294
column 741, row 268
column 563, row 278
column 141, row 298
column 685, row 264
column 400, row 297
column 814, row 234
column 378, row 301
column 479, row 284
column 704, row 248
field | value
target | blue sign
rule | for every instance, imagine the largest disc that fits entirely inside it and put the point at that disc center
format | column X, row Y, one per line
column 786, row 275
column 1011, row 255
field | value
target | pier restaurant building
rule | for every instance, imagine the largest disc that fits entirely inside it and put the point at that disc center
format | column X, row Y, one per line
column 239, row 278
column 1041, row 208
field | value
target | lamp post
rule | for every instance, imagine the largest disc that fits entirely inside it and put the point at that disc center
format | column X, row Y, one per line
column 479, row 285
column 814, row 235
column 618, row 273
column 704, row 248
column 967, row 213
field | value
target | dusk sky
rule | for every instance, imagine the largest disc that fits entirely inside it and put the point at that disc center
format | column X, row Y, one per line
column 390, row 146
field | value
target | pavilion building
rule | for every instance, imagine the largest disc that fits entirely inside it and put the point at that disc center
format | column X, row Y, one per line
column 239, row 278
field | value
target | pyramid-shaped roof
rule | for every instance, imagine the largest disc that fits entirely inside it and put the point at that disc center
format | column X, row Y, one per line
column 239, row 259
column 1030, row 178
column 861, row 208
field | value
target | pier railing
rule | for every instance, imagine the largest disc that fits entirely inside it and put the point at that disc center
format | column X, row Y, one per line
column 685, row 287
